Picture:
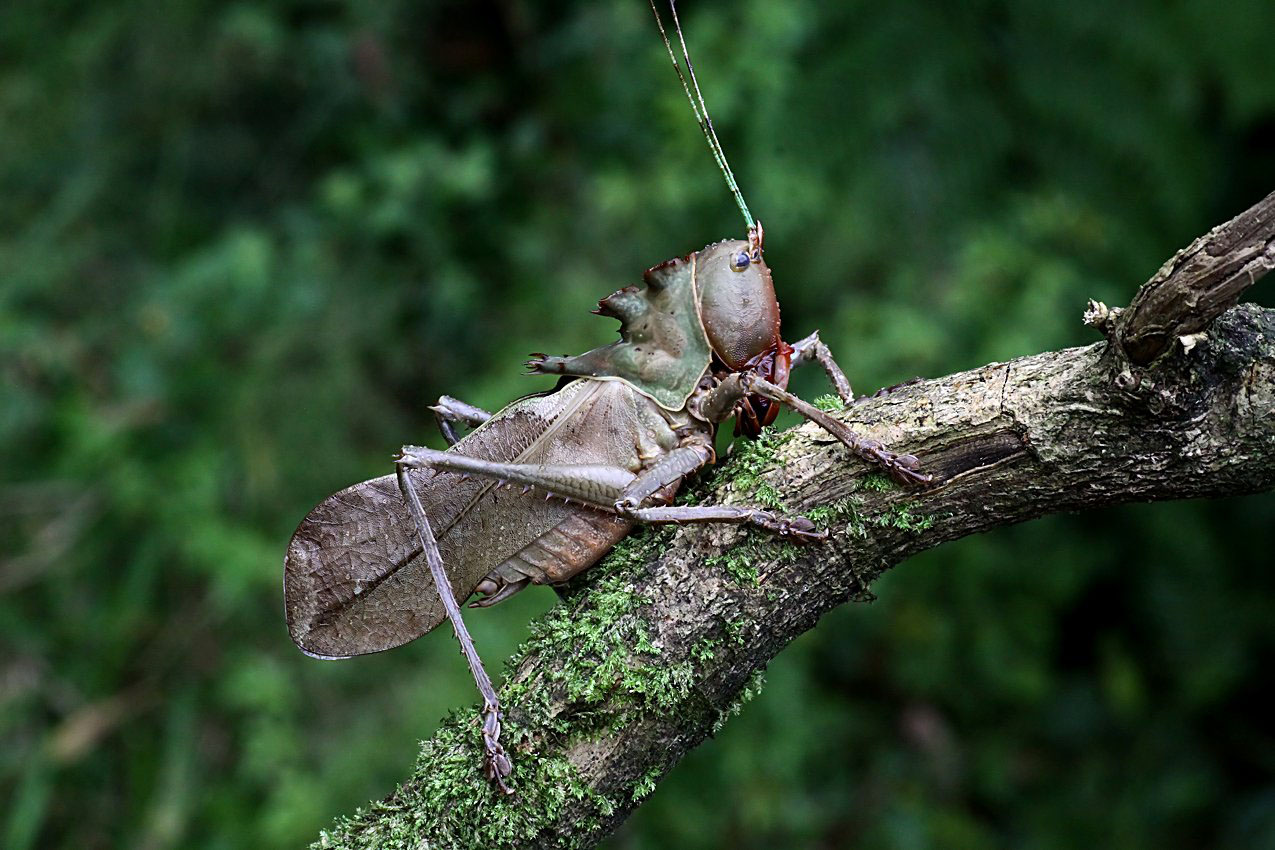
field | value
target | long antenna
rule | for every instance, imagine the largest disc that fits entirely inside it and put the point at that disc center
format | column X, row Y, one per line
column 700, row 108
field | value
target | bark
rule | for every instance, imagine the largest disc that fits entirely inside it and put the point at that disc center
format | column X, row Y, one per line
column 655, row 646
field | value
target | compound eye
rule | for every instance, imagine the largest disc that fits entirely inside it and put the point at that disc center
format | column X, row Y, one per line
column 740, row 261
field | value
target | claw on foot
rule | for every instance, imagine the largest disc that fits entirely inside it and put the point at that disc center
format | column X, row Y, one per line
column 801, row 530
column 544, row 364
column 904, row 469
column 797, row 529
column 498, row 768
column 496, row 763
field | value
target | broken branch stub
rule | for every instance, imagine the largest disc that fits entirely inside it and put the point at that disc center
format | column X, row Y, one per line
column 1196, row 285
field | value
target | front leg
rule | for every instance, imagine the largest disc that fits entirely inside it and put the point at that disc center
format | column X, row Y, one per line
column 720, row 403
column 813, row 348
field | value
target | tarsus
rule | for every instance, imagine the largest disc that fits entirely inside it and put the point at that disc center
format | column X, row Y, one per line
column 699, row 107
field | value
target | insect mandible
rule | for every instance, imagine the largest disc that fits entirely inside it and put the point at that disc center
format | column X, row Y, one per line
column 539, row 491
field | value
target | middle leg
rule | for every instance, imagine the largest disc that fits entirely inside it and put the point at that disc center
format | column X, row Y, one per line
column 642, row 500
column 613, row 489
column 813, row 348
column 798, row 528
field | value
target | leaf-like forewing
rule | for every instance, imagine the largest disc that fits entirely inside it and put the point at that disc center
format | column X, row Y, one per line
column 354, row 578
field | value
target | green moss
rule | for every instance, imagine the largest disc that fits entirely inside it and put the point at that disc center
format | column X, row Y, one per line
column 454, row 806
column 905, row 518
column 705, row 649
column 828, row 515
column 645, row 785
column 658, row 688
column 830, row 403
column 749, row 461
column 603, row 643
column 738, row 564
column 767, row 495
column 877, row 482
column 743, row 560
column 751, row 689
column 735, row 632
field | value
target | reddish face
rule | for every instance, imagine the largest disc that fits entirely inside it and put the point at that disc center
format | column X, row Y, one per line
column 741, row 319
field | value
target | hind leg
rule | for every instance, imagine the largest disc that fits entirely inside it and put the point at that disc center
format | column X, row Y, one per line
column 496, row 763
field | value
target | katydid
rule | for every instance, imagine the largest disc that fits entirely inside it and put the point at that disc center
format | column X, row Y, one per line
column 541, row 490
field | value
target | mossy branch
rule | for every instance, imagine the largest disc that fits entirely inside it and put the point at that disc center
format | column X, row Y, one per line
column 657, row 646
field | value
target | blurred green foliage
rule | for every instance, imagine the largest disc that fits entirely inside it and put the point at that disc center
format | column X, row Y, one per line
column 242, row 245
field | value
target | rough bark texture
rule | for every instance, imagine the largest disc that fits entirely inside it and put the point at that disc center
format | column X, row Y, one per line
column 658, row 644
column 1199, row 282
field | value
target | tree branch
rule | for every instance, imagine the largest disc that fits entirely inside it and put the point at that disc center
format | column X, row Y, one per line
column 655, row 647
column 1198, row 283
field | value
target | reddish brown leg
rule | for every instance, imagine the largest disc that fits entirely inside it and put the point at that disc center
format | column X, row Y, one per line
column 812, row 349
column 720, row 403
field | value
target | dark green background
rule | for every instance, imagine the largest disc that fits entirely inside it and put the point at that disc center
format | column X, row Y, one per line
column 242, row 245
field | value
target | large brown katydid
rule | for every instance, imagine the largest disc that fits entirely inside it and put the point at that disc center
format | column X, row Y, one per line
column 539, row 491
